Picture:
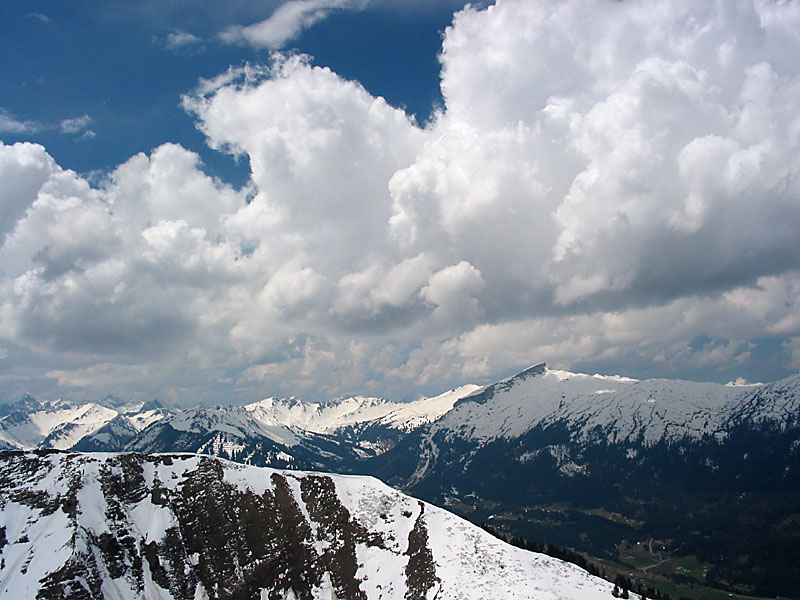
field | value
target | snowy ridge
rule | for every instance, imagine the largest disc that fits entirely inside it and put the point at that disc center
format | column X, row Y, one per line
column 651, row 411
column 32, row 424
column 615, row 408
column 337, row 414
column 777, row 402
column 59, row 425
column 324, row 417
column 231, row 431
column 234, row 420
column 132, row 526
column 410, row 415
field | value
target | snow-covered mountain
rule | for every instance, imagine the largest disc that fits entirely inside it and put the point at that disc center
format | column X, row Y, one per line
column 130, row 526
column 411, row 415
column 541, row 411
column 679, row 460
column 617, row 408
column 268, row 429
column 341, row 413
column 288, row 432
column 55, row 425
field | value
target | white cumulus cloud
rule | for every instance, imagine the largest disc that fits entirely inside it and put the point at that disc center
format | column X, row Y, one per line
column 612, row 184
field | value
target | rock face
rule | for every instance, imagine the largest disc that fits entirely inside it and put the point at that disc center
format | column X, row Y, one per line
column 124, row 526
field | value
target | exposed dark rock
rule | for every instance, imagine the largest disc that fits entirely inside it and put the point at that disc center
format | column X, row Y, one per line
column 421, row 569
column 335, row 526
column 74, row 581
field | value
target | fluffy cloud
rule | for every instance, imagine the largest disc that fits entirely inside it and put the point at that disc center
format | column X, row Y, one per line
column 24, row 169
column 109, row 271
column 611, row 184
column 629, row 143
column 452, row 291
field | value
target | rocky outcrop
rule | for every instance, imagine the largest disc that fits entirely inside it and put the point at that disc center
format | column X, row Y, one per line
column 186, row 526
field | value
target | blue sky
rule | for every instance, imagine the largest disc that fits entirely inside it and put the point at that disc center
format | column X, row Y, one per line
column 115, row 64
column 217, row 202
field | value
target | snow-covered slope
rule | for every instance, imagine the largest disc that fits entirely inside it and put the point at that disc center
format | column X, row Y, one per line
column 341, row 413
column 324, row 417
column 410, row 415
column 285, row 432
column 57, row 425
column 777, row 403
column 234, row 420
column 616, row 408
column 287, row 422
column 651, row 411
column 130, row 526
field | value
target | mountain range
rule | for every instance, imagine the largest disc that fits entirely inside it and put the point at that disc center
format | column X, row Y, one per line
column 274, row 431
column 708, row 470
column 590, row 462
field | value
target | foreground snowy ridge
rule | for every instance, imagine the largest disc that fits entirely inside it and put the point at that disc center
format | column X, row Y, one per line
column 129, row 526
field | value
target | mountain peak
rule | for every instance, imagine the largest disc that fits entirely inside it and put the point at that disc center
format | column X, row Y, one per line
column 24, row 403
column 485, row 394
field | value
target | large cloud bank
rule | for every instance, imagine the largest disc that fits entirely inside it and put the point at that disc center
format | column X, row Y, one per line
column 607, row 183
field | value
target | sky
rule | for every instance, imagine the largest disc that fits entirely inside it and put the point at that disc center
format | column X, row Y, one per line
column 208, row 202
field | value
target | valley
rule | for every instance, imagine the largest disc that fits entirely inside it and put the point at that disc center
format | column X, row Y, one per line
column 657, row 564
